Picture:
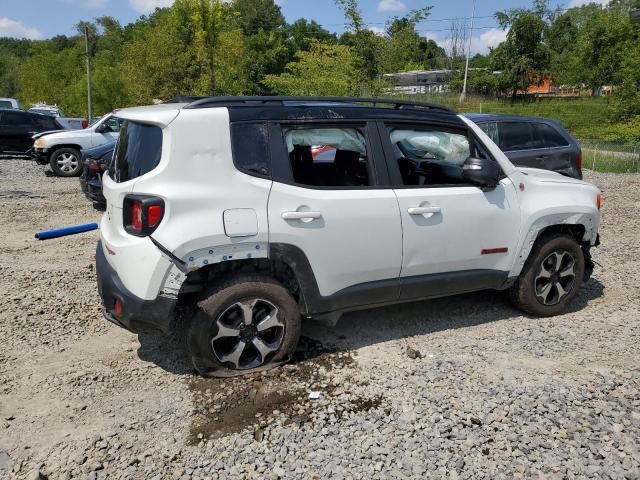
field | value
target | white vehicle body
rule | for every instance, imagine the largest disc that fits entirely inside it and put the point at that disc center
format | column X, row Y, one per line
column 214, row 213
column 81, row 138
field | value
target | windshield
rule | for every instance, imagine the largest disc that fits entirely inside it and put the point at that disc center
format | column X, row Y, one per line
column 138, row 150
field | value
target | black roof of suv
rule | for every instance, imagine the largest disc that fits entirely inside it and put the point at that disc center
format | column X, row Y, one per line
column 327, row 108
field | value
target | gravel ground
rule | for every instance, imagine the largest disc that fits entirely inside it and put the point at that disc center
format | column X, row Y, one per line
column 463, row 387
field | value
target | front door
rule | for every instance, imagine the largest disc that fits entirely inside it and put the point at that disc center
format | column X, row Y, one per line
column 326, row 203
column 456, row 237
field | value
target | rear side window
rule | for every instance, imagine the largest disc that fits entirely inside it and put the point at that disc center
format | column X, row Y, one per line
column 326, row 156
column 517, row 136
column 549, row 137
column 6, row 104
column 251, row 148
column 16, row 119
column 138, row 151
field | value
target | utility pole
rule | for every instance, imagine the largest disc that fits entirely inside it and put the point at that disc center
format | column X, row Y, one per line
column 86, row 44
column 466, row 67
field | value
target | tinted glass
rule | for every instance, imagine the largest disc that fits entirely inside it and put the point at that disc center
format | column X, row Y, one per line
column 516, row 136
column 430, row 157
column 251, row 147
column 139, row 150
column 45, row 123
column 6, row 104
column 16, row 119
column 549, row 137
column 328, row 156
column 491, row 129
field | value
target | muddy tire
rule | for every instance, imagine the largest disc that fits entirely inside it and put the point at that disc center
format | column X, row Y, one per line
column 66, row 162
column 551, row 277
column 243, row 324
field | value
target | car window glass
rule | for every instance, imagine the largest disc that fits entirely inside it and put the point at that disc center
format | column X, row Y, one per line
column 16, row 119
column 45, row 123
column 429, row 156
column 138, row 151
column 328, row 156
column 112, row 124
column 251, row 147
column 491, row 129
column 6, row 104
column 548, row 136
column 517, row 136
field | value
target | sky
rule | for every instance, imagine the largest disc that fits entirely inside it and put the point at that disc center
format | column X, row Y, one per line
column 39, row 19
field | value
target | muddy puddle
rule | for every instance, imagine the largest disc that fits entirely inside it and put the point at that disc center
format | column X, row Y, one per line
column 231, row 405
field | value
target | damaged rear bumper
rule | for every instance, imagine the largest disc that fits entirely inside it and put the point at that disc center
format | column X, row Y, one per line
column 137, row 315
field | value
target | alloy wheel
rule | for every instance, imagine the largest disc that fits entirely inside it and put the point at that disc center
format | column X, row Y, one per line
column 556, row 277
column 248, row 333
column 67, row 162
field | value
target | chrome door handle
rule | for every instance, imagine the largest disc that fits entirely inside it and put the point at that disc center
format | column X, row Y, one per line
column 301, row 215
column 423, row 210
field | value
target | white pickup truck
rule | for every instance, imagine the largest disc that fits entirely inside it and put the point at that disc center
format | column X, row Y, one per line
column 61, row 149
column 68, row 123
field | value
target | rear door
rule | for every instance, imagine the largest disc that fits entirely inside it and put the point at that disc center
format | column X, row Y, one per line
column 556, row 151
column 328, row 201
column 518, row 140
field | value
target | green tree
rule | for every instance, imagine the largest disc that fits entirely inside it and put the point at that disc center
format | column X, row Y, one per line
column 325, row 69
column 523, row 54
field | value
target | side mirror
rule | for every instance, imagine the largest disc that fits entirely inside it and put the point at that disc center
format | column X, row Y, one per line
column 482, row 172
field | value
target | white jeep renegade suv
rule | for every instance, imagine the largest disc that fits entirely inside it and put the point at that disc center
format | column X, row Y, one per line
column 230, row 218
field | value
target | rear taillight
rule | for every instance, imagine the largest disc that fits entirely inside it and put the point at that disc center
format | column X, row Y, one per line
column 599, row 200
column 142, row 214
column 580, row 160
column 85, row 123
column 93, row 165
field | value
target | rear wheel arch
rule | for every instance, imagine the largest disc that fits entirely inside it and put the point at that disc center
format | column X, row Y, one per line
column 198, row 283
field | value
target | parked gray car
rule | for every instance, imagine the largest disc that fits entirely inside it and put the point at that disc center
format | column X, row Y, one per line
column 533, row 142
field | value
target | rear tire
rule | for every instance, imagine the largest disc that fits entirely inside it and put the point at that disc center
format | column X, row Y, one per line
column 243, row 324
column 551, row 276
column 66, row 162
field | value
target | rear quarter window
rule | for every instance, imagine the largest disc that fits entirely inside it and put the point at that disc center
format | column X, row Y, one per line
column 549, row 137
column 138, row 151
column 251, row 148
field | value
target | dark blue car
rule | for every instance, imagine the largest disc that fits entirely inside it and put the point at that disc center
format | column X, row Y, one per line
column 533, row 142
column 95, row 161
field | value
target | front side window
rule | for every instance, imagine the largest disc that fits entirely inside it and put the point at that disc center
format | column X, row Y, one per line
column 429, row 156
column 491, row 129
column 138, row 151
column 46, row 123
column 328, row 156
column 112, row 124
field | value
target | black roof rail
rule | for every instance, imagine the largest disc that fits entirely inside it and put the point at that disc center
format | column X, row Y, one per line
column 281, row 101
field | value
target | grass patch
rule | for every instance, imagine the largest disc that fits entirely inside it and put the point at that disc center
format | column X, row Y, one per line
column 610, row 162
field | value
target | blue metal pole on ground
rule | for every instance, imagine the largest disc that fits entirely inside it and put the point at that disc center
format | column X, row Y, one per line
column 63, row 232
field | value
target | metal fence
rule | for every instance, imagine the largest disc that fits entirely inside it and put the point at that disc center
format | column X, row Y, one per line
column 615, row 157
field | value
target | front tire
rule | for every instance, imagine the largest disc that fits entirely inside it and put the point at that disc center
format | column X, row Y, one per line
column 66, row 162
column 244, row 324
column 551, row 277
